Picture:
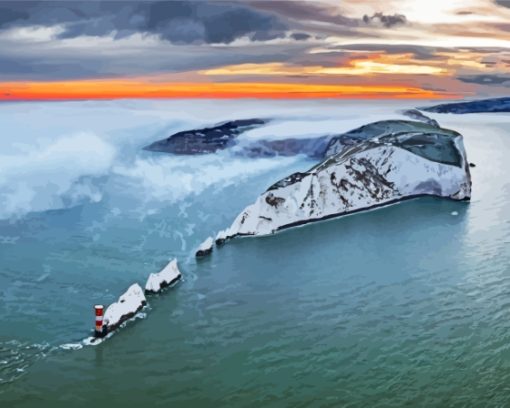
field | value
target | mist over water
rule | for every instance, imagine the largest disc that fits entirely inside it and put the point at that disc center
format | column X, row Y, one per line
column 57, row 155
column 406, row 305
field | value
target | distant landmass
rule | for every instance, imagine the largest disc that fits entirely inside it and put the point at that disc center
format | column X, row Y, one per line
column 478, row 106
column 205, row 140
column 225, row 135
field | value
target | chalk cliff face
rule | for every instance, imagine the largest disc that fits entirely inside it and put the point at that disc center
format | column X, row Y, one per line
column 374, row 165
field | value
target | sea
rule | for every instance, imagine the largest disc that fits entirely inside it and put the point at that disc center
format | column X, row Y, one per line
column 404, row 306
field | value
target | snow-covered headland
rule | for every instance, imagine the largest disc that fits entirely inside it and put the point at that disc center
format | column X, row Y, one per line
column 375, row 165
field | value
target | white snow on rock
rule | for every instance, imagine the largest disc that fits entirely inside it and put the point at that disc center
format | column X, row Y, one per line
column 130, row 303
column 71, row 346
column 366, row 175
column 221, row 237
column 166, row 277
column 205, row 247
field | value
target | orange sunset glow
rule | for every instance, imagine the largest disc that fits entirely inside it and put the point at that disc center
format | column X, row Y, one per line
column 115, row 89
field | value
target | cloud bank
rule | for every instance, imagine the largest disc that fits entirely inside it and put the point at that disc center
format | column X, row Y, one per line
column 66, row 40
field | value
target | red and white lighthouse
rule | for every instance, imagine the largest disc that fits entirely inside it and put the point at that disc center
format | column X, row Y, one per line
column 99, row 320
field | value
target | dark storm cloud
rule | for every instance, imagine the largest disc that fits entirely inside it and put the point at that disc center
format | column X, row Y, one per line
column 305, row 11
column 24, row 13
column 321, row 19
column 504, row 3
column 180, row 22
column 300, row 36
column 326, row 19
column 210, row 22
column 8, row 15
column 193, row 35
column 486, row 79
column 386, row 20
column 120, row 59
column 50, row 69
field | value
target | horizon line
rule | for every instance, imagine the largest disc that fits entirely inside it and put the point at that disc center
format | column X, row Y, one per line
column 136, row 89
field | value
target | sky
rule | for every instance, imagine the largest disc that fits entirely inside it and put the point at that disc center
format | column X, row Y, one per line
column 424, row 49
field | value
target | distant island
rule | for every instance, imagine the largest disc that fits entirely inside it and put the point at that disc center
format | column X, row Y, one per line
column 492, row 105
